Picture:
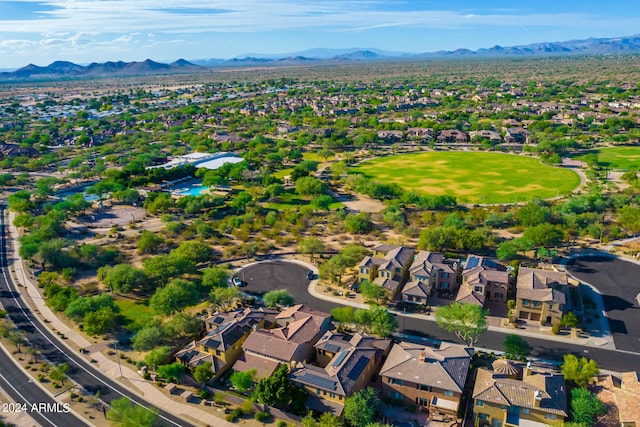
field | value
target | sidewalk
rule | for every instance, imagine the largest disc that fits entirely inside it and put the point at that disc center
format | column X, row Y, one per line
column 135, row 383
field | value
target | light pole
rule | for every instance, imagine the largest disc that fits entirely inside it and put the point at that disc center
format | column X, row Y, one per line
column 115, row 345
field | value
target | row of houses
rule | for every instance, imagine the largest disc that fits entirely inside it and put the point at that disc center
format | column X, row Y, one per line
column 333, row 365
column 418, row 277
column 512, row 135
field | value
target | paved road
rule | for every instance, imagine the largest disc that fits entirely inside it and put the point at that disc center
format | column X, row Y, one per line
column 268, row 276
column 619, row 283
column 48, row 345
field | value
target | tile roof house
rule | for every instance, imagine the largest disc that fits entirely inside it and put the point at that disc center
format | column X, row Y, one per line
column 432, row 378
column 387, row 267
column 346, row 364
column 483, row 280
column 452, row 136
column 222, row 344
column 622, row 392
column 292, row 342
column 541, row 295
column 429, row 271
column 538, row 399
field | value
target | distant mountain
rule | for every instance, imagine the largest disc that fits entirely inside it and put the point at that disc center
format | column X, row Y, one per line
column 592, row 46
column 120, row 68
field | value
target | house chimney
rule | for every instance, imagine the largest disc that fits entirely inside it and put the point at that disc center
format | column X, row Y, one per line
column 527, row 371
column 537, row 398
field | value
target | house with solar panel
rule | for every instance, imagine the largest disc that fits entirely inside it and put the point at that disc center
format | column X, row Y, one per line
column 345, row 364
column 485, row 282
column 292, row 342
column 387, row 267
column 430, row 272
column 433, row 379
column 542, row 295
column 225, row 334
column 536, row 398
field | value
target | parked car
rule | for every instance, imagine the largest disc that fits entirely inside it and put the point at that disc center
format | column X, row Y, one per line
column 237, row 282
column 310, row 274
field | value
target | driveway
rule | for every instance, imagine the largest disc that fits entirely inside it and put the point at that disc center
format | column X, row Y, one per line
column 619, row 283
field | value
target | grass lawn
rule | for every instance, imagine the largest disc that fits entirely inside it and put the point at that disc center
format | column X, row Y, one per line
column 291, row 200
column 312, row 155
column 625, row 158
column 282, row 173
column 473, row 177
column 134, row 311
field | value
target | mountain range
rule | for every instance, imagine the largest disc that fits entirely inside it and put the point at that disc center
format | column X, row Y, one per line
column 58, row 69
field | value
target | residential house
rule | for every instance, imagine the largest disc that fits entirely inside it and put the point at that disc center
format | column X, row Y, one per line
column 621, row 391
column 300, row 328
column 517, row 135
column 420, row 134
column 484, row 281
column 387, row 267
column 452, row 136
column 490, row 135
column 222, row 344
column 541, row 295
column 390, row 136
column 345, row 364
column 430, row 271
column 430, row 378
column 537, row 399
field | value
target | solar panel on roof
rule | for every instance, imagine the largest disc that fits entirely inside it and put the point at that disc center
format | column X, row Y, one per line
column 317, row 381
column 472, row 262
column 358, row 368
column 340, row 358
column 332, row 347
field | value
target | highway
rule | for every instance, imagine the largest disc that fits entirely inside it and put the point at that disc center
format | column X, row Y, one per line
column 47, row 344
column 269, row 276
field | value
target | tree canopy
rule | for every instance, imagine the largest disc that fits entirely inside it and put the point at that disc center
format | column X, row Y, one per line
column 467, row 321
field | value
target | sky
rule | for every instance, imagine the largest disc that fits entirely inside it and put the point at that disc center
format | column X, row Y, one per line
column 85, row 31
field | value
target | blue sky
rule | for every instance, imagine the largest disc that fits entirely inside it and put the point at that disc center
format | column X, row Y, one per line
column 84, row 31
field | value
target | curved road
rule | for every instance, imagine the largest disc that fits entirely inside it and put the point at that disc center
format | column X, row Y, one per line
column 41, row 338
column 267, row 276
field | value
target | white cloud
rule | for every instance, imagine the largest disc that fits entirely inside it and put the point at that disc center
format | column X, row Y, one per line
column 200, row 16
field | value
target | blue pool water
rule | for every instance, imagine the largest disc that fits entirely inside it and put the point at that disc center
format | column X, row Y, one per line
column 192, row 190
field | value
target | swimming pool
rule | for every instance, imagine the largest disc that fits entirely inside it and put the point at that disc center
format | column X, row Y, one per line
column 191, row 190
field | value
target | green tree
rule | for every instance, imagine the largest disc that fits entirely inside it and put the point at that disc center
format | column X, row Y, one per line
column 182, row 326
column 327, row 419
column 161, row 268
column 243, row 381
column 202, row 373
column 359, row 223
column 215, row 277
column 171, row 372
column 585, row 407
column 326, row 153
column 579, row 371
column 148, row 242
column 569, row 320
column 17, row 338
column 156, row 356
column 360, row 408
column 128, row 414
column 467, row 321
column 343, row 314
column 122, row 278
column 311, row 246
column 99, row 322
column 278, row 298
column 515, row 347
column 224, row 299
column 334, row 268
column 322, row 202
column 174, row 297
column 59, row 373
column 372, row 292
column 309, row 185
column 193, row 251
column 275, row 389
column 147, row 338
